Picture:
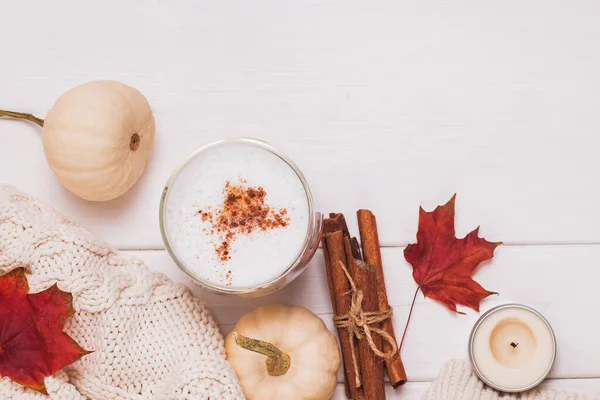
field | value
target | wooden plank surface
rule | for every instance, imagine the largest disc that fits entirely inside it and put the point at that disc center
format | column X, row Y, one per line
column 496, row 101
column 414, row 391
column 518, row 273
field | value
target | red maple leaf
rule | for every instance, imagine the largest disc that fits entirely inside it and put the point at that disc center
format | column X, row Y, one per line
column 32, row 342
column 442, row 264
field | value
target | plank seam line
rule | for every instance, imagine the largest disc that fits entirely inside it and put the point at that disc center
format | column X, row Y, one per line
column 546, row 380
column 403, row 246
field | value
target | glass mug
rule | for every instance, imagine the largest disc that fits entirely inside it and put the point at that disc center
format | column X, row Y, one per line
column 291, row 272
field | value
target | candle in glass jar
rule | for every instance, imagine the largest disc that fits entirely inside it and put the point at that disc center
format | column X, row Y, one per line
column 512, row 348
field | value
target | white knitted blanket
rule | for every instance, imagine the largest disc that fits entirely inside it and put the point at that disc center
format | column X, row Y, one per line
column 457, row 381
column 151, row 338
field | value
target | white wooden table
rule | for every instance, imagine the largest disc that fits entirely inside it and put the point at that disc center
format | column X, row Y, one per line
column 384, row 105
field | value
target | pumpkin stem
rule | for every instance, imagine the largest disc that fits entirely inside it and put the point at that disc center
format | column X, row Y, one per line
column 134, row 142
column 277, row 361
column 18, row 115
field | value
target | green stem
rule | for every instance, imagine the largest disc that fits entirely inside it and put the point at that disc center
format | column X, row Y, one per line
column 277, row 362
column 18, row 115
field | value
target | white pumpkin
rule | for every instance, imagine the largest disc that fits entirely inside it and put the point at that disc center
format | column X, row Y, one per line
column 98, row 137
column 281, row 352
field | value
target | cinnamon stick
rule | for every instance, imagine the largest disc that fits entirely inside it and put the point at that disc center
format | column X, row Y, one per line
column 335, row 222
column 333, row 248
column 367, row 226
column 371, row 367
column 333, row 302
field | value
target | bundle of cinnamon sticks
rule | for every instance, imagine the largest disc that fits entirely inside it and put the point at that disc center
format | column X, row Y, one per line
column 360, row 304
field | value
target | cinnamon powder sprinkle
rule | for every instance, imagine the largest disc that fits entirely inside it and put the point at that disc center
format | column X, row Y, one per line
column 243, row 212
column 228, row 278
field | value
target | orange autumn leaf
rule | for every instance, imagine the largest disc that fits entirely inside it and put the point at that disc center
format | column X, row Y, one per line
column 442, row 264
column 32, row 342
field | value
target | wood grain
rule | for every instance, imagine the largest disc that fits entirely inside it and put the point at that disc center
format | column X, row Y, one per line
column 520, row 274
column 414, row 390
column 497, row 103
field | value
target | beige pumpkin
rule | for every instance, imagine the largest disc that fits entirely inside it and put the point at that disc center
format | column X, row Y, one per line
column 98, row 137
column 282, row 352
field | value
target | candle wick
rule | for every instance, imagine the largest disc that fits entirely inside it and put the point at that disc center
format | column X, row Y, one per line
column 514, row 345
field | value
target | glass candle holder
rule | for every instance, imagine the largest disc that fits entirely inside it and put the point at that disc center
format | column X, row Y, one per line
column 237, row 216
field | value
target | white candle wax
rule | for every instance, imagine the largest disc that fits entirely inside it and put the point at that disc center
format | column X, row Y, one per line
column 512, row 348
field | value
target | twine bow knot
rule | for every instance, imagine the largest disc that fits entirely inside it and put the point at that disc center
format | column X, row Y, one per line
column 360, row 323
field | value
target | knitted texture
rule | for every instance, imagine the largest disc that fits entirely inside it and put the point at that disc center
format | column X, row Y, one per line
column 151, row 338
column 457, row 381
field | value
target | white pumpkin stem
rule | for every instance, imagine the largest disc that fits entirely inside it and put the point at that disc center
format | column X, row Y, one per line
column 277, row 362
column 134, row 142
column 18, row 115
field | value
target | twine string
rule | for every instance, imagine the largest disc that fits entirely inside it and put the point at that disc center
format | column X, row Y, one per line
column 360, row 324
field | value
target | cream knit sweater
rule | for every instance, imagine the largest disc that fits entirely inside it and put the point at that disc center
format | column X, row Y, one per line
column 457, row 381
column 151, row 338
